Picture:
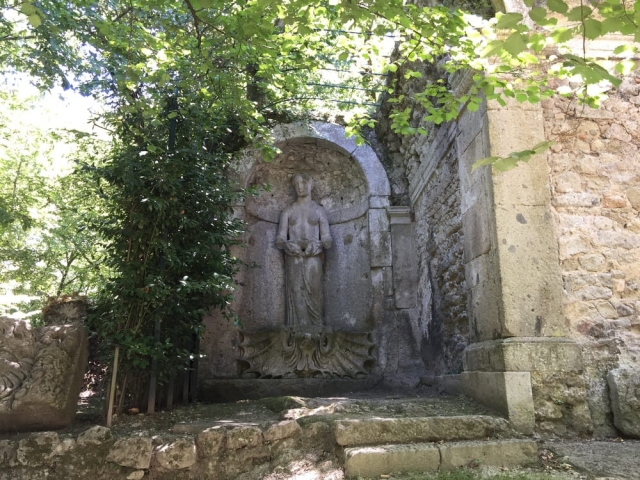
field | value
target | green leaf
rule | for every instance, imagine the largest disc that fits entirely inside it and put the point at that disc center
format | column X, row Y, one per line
column 541, row 147
column 35, row 20
column 576, row 14
column 611, row 25
column 509, row 20
column 537, row 42
column 515, row 44
column 592, row 28
column 538, row 15
column 625, row 67
column 625, row 48
column 492, row 48
column 557, row 6
column 527, row 57
column 27, row 9
column 505, row 164
column 529, row 3
column 483, row 162
column 562, row 35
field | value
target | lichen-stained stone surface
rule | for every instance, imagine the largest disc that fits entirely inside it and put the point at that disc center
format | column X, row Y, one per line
column 41, row 372
column 65, row 310
column 131, row 452
column 177, row 455
column 624, row 390
column 96, row 435
column 595, row 198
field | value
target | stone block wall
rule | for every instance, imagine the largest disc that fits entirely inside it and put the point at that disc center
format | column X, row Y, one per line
column 423, row 171
column 440, row 250
column 551, row 249
column 595, row 188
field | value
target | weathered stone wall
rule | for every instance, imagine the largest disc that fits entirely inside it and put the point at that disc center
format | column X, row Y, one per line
column 595, row 184
column 217, row 452
column 423, row 171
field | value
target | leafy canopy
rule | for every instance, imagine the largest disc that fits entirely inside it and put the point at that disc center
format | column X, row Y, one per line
column 259, row 57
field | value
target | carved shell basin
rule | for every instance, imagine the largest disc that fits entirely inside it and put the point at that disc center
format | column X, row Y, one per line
column 305, row 352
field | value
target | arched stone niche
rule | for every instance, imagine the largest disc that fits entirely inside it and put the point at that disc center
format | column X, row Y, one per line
column 351, row 184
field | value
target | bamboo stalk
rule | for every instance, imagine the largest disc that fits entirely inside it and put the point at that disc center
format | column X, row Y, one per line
column 122, row 392
column 112, row 390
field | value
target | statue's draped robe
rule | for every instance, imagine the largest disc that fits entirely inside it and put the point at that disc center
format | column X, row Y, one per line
column 303, row 234
column 303, row 287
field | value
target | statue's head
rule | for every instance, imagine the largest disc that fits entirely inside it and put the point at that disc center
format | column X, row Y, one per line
column 302, row 184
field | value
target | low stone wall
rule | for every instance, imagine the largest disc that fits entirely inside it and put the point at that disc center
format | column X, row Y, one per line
column 240, row 452
column 595, row 182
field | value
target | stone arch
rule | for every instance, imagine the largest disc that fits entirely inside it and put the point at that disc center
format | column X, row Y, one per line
column 332, row 138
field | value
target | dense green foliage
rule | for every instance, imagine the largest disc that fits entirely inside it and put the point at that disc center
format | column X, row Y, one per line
column 168, row 235
column 46, row 247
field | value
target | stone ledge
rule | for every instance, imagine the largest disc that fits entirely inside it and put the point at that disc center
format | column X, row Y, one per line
column 524, row 354
column 421, row 429
column 421, row 457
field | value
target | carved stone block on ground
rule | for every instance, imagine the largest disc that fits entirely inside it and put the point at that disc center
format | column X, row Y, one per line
column 624, row 390
column 41, row 372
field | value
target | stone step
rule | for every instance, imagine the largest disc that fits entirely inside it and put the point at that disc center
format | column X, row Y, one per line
column 375, row 431
column 426, row 457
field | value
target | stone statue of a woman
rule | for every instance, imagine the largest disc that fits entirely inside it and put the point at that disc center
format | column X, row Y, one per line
column 303, row 234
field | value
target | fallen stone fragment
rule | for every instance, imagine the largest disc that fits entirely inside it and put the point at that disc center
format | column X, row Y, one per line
column 619, row 460
column 499, row 453
column 385, row 459
column 624, row 390
column 419, row 429
column 66, row 445
column 38, row 449
column 41, row 373
column 7, row 453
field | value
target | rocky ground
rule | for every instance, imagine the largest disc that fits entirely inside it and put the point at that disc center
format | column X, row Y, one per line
column 311, row 456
